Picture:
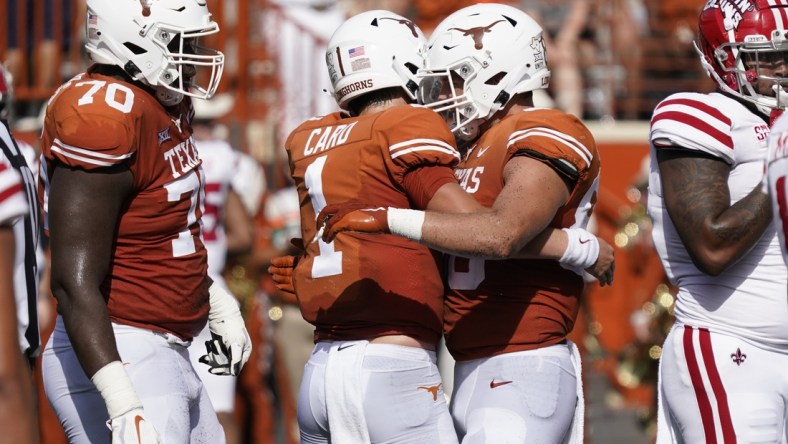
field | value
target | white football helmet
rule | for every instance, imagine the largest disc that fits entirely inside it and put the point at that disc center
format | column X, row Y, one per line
column 374, row 50
column 477, row 59
column 153, row 41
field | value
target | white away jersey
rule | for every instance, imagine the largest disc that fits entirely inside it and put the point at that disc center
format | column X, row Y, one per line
column 225, row 169
column 747, row 299
column 777, row 171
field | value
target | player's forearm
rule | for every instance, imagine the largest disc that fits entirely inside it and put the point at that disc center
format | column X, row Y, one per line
column 549, row 244
column 77, row 274
column 485, row 235
column 87, row 323
column 729, row 236
column 715, row 233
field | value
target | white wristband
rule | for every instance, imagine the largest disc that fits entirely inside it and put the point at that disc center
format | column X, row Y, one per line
column 582, row 249
column 406, row 223
column 115, row 387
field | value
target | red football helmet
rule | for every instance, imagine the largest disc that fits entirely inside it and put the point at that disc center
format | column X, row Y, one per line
column 739, row 41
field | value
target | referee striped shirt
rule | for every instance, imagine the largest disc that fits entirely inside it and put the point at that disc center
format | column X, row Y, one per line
column 13, row 198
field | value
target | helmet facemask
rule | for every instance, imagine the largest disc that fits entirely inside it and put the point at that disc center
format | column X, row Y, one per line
column 445, row 91
column 184, row 56
column 743, row 47
column 752, row 75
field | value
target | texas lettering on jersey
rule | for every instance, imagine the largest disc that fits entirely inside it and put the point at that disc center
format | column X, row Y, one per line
column 182, row 158
column 157, row 280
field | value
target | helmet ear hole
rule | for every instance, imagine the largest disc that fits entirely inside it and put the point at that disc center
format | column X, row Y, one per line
column 496, row 79
column 411, row 67
column 412, row 86
column 135, row 49
column 503, row 98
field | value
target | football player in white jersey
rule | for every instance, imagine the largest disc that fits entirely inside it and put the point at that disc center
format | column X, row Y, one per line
column 777, row 172
column 722, row 376
column 227, row 228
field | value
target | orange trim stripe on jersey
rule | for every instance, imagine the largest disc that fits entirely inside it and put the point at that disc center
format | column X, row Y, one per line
column 566, row 139
column 413, row 145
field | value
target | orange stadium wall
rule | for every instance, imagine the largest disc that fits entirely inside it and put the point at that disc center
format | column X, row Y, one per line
column 604, row 329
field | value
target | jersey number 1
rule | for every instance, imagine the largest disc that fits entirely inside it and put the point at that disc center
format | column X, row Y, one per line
column 329, row 261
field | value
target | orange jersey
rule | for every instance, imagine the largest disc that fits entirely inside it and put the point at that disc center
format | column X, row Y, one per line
column 500, row 306
column 365, row 286
column 158, row 274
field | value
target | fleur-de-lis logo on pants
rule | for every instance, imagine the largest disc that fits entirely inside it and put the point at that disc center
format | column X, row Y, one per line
column 738, row 357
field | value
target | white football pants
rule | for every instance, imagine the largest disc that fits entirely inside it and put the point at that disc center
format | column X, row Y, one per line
column 397, row 390
column 173, row 397
column 715, row 388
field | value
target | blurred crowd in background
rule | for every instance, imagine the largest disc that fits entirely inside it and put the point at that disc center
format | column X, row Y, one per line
column 612, row 62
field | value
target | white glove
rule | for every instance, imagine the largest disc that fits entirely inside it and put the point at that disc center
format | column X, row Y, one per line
column 230, row 346
column 126, row 418
column 133, row 428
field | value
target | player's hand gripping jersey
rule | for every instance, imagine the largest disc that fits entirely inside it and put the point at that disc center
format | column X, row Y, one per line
column 522, row 304
column 157, row 278
column 748, row 299
column 359, row 285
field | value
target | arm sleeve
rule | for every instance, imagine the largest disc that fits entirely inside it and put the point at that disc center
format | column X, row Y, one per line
column 422, row 183
column 564, row 144
column 416, row 137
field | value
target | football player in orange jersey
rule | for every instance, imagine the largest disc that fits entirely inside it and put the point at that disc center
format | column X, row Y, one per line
column 123, row 185
column 517, row 378
column 372, row 376
column 375, row 329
